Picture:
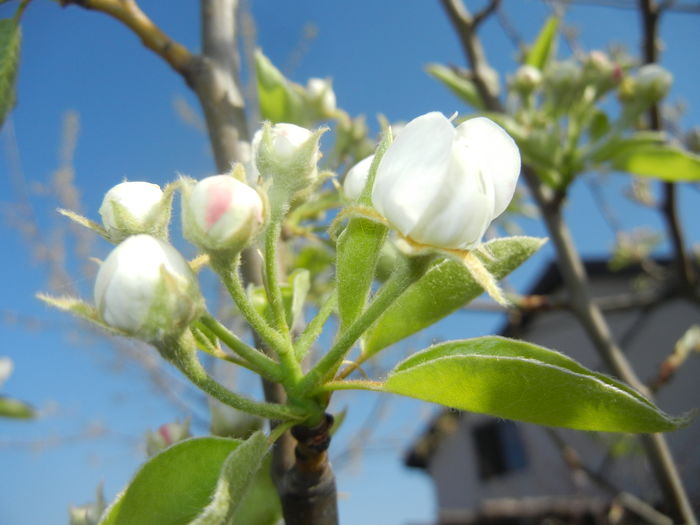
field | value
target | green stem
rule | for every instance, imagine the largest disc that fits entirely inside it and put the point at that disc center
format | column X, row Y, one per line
column 265, row 366
column 184, row 356
column 315, row 326
column 392, row 289
column 272, row 287
column 232, row 281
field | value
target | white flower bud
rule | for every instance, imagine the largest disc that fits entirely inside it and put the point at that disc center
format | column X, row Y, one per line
column 321, row 95
column 441, row 186
column 653, row 82
column 526, row 79
column 146, row 289
column 221, row 214
column 356, row 178
column 289, row 154
column 131, row 208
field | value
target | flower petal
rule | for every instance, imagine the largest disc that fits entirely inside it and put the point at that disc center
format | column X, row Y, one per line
column 411, row 172
column 499, row 158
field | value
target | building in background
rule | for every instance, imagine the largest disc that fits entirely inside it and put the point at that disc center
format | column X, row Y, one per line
column 489, row 470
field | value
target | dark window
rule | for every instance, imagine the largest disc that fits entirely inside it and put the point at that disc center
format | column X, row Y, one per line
column 499, row 449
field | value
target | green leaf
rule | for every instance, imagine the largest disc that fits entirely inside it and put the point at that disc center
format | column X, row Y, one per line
column 522, row 381
column 15, row 409
column 237, row 474
column 358, row 248
column 175, row 486
column 460, row 86
column 664, row 162
column 541, row 50
column 622, row 146
column 445, row 287
column 358, row 251
column 10, row 40
column 261, row 503
column 279, row 101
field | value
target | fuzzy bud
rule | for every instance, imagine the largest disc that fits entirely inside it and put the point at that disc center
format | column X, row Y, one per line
column 289, row 154
column 131, row 208
column 526, row 79
column 221, row 214
column 146, row 289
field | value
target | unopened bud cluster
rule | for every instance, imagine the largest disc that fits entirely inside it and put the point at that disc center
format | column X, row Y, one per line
column 145, row 288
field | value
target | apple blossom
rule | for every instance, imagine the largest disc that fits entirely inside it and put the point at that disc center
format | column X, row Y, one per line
column 221, row 213
column 135, row 207
column 356, row 178
column 146, row 289
column 442, row 186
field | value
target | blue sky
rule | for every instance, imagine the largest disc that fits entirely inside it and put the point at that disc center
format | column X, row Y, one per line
column 75, row 60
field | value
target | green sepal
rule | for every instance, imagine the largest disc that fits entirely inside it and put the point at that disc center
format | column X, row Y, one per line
column 10, row 42
column 464, row 88
column 15, row 409
column 80, row 309
column 85, row 222
column 445, row 287
column 544, row 46
column 178, row 485
column 525, row 382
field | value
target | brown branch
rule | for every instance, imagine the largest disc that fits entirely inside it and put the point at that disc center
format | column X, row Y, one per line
column 465, row 26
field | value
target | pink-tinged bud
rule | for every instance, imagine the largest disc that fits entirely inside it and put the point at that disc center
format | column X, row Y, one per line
column 146, row 289
column 131, row 208
column 221, row 214
column 442, row 186
column 166, row 435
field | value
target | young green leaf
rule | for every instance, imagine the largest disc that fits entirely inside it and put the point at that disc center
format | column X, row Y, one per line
column 460, row 86
column 358, row 251
column 174, row 486
column 542, row 49
column 261, row 504
column 238, row 472
column 278, row 100
column 445, row 287
column 518, row 380
column 197, row 481
column 664, row 162
column 15, row 409
column 10, row 40
column 623, row 146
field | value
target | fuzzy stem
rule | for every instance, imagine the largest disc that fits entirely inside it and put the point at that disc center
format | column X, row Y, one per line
column 392, row 289
column 263, row 364
column 184, row 356
column 315, row 326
